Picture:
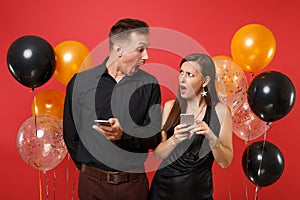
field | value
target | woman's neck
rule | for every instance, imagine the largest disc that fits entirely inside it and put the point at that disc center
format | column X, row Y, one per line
column 196, row 106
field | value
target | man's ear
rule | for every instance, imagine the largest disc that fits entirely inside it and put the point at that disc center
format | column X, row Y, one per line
column 206, row 81
column 117, row 49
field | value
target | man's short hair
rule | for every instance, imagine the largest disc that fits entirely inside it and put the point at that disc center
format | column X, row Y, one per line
column 124, row 27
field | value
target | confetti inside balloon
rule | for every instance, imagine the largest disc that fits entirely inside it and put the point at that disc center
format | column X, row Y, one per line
column 246, row 125
column 40, row 142
column 231, row 83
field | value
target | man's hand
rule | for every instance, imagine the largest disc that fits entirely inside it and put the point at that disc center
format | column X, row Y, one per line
column 114, row 132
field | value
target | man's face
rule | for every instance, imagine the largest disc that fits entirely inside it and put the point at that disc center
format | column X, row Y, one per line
column 134, row 53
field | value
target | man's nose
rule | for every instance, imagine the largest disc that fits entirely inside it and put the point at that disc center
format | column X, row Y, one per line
column 145, row 55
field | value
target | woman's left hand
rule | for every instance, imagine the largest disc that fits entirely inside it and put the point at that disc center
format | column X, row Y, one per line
column 200, row 127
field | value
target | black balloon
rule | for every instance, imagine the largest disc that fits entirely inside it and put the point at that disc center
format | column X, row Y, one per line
column 263, row 164
column 31, row 61
column 271, row 96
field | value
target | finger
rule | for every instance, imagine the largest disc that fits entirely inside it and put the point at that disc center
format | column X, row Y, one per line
column 97, row 128
column 113, row 121
column 201, row 123
column 201, row 132
column 101, row 131
column 106, row 128
column 182, row 136
column 180, row 126
column 187, row 129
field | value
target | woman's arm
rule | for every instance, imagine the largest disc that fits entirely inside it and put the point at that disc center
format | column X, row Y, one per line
column 221, row 146
column 166, row 146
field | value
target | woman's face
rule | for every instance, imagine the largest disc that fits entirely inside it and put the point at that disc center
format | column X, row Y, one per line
column 190, row 80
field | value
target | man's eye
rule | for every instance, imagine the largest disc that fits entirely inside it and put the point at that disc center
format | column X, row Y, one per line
column 140, row 50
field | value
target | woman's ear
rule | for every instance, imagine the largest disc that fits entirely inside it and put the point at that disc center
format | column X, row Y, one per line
column 206, row 81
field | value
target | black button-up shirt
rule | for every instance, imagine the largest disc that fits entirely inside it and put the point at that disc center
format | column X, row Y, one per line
column 134, row 101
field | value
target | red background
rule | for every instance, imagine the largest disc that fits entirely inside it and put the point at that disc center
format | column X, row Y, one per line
column 211, row 23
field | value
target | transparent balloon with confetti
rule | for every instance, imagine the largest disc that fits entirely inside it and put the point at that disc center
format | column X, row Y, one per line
column 231, row 83
column 40, row 142
column 246, row 125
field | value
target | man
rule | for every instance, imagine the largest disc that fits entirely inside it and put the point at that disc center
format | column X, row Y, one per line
column 111, row 157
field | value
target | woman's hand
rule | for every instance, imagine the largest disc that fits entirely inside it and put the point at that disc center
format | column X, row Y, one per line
column 201, row 127
column 181, row 133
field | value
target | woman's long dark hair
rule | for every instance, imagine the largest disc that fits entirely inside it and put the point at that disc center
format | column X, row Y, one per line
column 207, row 68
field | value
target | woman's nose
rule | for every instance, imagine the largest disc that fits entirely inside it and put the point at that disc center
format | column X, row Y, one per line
column 182, row 78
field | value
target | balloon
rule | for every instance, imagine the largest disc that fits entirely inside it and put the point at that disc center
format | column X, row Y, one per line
column 50, row 102
column 40, row 143
column 246, row 125
column 31, row 61
column 72, row 57
column 219, row 57
column 271, row 95
column 263, row 163
column 231, row 83
column 253, row 47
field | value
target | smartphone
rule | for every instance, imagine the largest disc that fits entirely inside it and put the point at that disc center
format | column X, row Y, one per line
column 187, row 119
column 102, row 122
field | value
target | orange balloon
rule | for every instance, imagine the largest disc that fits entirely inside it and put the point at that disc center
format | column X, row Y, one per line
column 253, row 47
column 221, row 57
column 71, row 57
column 50, row 102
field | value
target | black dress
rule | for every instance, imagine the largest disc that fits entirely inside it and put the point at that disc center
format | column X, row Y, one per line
column 186, row 174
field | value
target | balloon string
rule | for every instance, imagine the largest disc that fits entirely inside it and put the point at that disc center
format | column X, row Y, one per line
column 251, row 76
column 47, row 185
column 269, row 125
column 54, row 185
column 262, row 153
column 40, row 184
column 246, row 184
column 256, row 192
column 261, row 160
column 246, row 193
column 36, row 134
column 74, row 184
column 35, row 111
column 67, row 177
column 247, row 143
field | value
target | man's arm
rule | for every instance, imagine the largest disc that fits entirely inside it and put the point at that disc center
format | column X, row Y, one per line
column 70, row 134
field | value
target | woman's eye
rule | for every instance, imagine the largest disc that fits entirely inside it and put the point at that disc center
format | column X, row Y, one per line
column 190, row 75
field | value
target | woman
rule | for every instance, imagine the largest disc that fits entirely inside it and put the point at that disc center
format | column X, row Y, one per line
column 188, row 152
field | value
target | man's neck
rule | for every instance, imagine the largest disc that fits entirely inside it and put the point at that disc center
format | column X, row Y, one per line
column 112, row 66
